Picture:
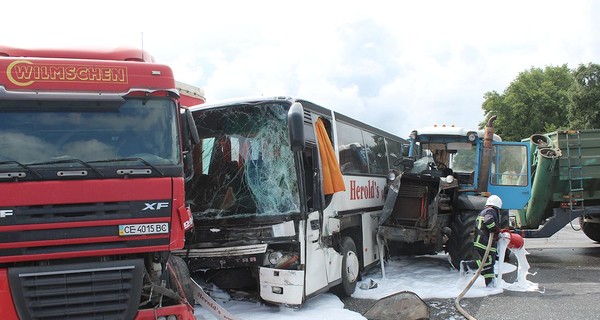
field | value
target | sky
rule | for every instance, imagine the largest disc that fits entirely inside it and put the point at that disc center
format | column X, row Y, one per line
column 396, row 65
column 427, row 276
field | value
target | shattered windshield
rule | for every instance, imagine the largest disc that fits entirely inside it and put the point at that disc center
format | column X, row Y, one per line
column 245, row 166
column 54, row 132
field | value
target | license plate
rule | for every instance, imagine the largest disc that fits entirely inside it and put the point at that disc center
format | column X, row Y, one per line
column 142, row 229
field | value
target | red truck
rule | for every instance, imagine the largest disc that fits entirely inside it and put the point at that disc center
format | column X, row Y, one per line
column 95, row 147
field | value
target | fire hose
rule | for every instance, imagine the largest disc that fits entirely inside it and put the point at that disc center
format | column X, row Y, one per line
column 466, row 289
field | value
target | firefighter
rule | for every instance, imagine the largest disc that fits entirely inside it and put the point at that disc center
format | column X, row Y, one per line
column 487, row 222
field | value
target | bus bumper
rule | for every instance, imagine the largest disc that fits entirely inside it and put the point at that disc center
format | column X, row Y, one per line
column 282, row 286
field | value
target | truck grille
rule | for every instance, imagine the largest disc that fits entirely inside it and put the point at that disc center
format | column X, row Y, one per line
column 107, row 290
column 59, row 229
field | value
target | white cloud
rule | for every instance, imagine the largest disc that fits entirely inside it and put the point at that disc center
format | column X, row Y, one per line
column 397, row 66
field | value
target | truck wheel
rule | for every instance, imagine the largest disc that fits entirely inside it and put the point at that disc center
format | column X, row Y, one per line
column 179, row 275
column 591, row 230
column 460, row 244
column 350, row 269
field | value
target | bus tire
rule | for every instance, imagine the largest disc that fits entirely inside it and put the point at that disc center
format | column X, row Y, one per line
column 460, row 244
column 350, row 268
column 179, row 275
column 591, row 230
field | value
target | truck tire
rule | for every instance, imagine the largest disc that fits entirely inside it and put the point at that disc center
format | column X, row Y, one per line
column 179, row 275
column 350, row 269
column 591, row 230
column 460, row 244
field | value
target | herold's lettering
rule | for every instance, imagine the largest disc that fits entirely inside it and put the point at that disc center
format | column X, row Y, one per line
column 369, row 191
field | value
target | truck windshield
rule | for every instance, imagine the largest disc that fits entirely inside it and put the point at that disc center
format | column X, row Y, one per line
column 245, row 167
column 460, row 157
column 100, row 133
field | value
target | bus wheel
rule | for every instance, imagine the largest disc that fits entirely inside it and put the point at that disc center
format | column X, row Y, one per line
column 350, row 268
column 179, row 276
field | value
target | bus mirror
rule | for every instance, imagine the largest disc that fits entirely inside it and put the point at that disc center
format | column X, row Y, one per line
column 296, row 126
column 192, row 126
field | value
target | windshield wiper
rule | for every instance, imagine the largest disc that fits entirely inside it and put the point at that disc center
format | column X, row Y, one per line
column 131, row 159
column 70, row 160
column 22, row 166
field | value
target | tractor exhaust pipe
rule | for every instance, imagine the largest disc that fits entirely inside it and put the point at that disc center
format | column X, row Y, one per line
column 486, row 155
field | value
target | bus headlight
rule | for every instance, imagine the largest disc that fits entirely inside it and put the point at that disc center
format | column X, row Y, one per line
column 275, row 257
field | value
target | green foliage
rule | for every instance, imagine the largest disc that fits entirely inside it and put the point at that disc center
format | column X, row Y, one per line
column 537, row 101
column 584, row 112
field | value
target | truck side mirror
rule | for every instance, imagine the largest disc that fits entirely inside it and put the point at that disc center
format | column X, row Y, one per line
column 191, row 124
column 296, row 126
column 188, row 132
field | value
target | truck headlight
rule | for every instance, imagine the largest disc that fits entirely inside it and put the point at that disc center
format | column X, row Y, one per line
column 391, row 176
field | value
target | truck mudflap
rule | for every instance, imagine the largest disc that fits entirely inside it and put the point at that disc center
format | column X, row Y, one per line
column 210, row 304
column 181, row 311
column 401, row 305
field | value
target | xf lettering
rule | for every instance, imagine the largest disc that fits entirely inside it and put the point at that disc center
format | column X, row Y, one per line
column 6, row 213
column 155, row 205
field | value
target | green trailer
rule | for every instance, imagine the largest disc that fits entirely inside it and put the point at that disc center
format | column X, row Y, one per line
column 565, row 182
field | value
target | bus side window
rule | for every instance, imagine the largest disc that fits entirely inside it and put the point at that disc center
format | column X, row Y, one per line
column 353, row 155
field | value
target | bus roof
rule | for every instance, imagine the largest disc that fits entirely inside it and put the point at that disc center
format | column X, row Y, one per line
column 307, row 105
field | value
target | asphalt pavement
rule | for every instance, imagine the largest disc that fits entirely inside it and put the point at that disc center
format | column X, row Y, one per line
column 566, row 267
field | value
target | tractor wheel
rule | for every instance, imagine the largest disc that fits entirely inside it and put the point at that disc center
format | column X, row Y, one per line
column 591, row 230
column 350, row 269
column 460, row 244
column 179, row 276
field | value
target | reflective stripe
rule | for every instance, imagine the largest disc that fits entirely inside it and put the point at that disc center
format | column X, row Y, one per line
column 479, row 222
column 485, row 265
column 484, row 247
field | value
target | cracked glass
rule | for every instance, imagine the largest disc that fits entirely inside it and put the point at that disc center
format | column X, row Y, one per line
column 244, row 165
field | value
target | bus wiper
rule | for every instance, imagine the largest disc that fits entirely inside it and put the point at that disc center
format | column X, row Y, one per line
column 27, row 168
column 131, row 159
column 69, row 160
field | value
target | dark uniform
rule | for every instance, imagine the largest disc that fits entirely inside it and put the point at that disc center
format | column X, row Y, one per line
column 487, row 222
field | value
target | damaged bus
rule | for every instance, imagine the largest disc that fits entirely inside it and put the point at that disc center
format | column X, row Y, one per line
column 286, row 197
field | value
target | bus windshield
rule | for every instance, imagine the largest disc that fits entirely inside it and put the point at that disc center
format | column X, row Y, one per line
column 46, row 133
column 245, row 167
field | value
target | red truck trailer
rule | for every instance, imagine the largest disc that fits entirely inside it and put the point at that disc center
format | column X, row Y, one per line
column 93, row 157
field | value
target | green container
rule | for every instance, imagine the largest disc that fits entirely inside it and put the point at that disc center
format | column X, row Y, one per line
column 542, row 182
column 573, row 178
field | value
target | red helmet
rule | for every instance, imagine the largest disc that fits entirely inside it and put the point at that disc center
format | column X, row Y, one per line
column 516, row 241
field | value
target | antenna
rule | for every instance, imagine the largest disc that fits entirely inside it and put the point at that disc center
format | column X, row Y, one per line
column 142, row 45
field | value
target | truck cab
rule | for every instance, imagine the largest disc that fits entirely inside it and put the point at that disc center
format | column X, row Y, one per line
column 436, row 191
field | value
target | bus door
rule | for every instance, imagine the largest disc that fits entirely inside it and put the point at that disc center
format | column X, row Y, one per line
column 510, row 174
column 316, row 266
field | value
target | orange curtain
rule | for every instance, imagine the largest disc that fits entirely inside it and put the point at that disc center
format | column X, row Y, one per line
column 332, row 176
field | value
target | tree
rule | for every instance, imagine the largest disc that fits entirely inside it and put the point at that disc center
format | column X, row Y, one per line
column 537, row 101
column 584, row 112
